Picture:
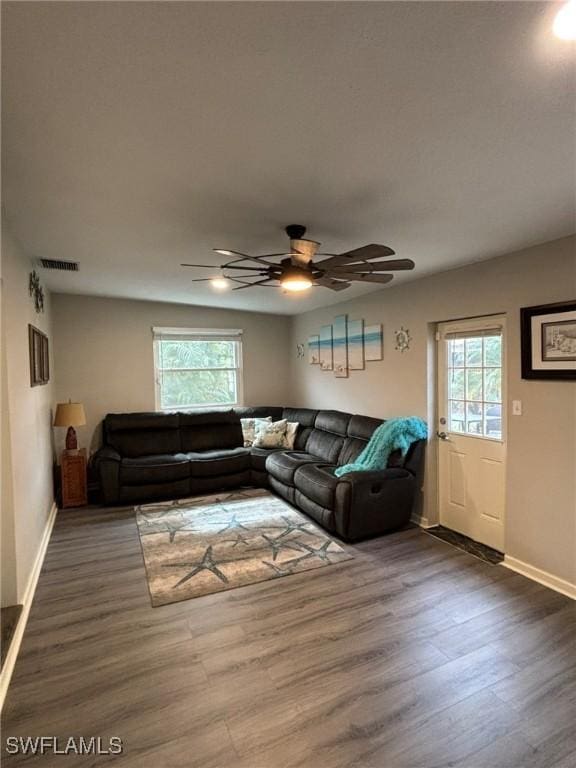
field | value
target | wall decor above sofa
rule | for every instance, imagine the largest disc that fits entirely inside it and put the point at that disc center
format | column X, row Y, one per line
column 345, row 346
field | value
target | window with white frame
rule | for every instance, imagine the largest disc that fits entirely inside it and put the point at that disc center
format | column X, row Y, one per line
column 197, row 368
column 474, row 378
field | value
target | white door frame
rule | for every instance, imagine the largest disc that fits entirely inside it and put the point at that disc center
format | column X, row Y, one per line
column 483, row 322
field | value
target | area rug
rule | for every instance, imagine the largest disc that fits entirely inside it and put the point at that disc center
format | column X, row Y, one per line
column 207, row 544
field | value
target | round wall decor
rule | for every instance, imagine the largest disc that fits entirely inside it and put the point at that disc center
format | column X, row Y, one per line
column 403, row 339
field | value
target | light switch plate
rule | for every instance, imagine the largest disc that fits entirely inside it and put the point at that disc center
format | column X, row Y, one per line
column 516, row 407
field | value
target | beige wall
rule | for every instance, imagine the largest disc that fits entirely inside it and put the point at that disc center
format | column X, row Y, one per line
column 541, row 467
column 104, row 357
column 27, row 455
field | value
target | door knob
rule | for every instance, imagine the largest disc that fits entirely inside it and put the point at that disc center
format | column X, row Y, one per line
column 442, row 435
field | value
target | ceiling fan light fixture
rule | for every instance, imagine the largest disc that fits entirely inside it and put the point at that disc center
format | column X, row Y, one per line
column 296, row 279
column 565, row 21
column 220, row 283
column 223, row 252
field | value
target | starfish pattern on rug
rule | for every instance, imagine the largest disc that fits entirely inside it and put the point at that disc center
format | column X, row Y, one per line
column 206, row 564
column 238, row 540
column 277, row 546
column 234, row 523
column 319, row 552
column 276, row 569
column 228, row 540
column 295, row 525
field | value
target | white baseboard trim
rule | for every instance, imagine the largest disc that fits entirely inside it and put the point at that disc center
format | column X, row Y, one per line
column 10, row 662
column 423, row 522
column 542, row 577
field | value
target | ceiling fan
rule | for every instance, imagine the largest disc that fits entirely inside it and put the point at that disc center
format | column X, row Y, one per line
column 297, row 270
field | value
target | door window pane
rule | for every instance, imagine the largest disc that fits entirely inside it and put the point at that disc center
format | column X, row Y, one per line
column 456, row 388
column 473, row 352
column 457, row 415
column 474, row 376
column 493, row 350
column 456, row 353
column 474, row 418
column 493, row 421
column 474, row 384
column 493, row 385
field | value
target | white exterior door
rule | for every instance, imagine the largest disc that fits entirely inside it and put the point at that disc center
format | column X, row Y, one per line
column 471, row 428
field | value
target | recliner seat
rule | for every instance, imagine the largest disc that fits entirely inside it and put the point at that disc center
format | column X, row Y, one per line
column 149, row 456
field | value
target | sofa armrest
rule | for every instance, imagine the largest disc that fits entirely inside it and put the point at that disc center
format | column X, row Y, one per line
column 374, row 502
column 375, row 476
column 106, row 462
column 105, row 454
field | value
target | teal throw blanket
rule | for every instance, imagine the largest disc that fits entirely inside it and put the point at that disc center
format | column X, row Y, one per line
column 393, row 435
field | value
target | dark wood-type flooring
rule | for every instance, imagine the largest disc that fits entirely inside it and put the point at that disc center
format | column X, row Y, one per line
column 8, row 622
column 412, row 654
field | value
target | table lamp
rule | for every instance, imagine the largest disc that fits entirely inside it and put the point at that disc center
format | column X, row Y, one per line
column 70, row 415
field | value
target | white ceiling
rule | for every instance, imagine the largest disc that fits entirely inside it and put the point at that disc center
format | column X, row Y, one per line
column 139, row 135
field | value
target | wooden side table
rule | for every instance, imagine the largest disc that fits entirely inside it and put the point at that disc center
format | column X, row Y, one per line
column 73, row 474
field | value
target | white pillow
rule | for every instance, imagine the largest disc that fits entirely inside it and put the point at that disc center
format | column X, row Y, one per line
column 271, row 435
column 291, row 430
column 249, row 428
column 278, row 434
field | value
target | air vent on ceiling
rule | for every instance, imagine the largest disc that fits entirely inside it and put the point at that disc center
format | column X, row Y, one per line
column 65, row 266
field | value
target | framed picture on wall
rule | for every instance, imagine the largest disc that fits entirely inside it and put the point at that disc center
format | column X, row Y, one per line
column 549, row 341
column 373, row 347
column 326, row 359
column 314, row 350
column 340, row 346
column 356, row 345
column 39, row 357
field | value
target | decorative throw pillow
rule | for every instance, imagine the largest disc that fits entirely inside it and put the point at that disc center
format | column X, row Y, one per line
column 291, row 430
column 249, row 428
column 271, row 435
column 279, row 434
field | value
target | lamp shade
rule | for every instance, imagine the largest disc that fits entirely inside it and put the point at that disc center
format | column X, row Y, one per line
column 69, row 415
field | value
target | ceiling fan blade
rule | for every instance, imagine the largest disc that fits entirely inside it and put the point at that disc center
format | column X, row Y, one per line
column 204, row 266
column 355, row 277
column 227, row 252
column 249, row 285
column 334, row 285
column 375, row 266
column 364, row 253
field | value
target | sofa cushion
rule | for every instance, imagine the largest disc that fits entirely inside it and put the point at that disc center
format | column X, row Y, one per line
column 351, row 449
column 325, row 445
column 154, row 469
column 260, row 412
column 227, row 461
column 318, row 483
column 327, row 437
column 205, row 431
column 143, row 434
column 305, row 417
column 283, row 464
column 362, row 426
column 258, row 457
column 335, row 422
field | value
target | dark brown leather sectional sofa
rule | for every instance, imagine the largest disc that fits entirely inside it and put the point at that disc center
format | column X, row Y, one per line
column 148, row 456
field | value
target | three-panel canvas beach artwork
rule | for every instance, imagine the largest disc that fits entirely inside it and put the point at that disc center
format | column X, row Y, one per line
column 345, row 346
